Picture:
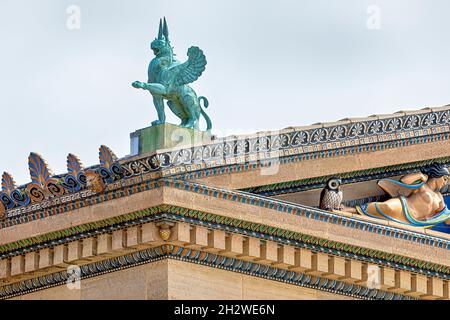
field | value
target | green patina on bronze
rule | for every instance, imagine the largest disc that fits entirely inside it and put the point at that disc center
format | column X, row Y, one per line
column 168, row 80
column 208, row 217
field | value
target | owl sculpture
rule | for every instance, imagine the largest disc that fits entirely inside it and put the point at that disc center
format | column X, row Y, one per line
column 331, row 195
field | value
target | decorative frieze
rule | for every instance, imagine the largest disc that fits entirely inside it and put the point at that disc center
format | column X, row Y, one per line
column 347, row 178
column 277, row 262
column 332, row 278
column 309, row 144
column 182, row 234
column 288, row 208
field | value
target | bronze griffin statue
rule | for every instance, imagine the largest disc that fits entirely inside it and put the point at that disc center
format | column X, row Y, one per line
column 168, row 79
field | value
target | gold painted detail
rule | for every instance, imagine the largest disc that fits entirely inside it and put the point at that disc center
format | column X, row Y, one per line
column 165, row 229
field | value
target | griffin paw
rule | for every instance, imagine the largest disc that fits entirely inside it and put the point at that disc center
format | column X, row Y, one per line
column 156, row 122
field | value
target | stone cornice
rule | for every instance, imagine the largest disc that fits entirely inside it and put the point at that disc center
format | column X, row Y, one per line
column 204, row 258
column 195, row 236
column 212, row 221
column 252, row 200
column 119, row 190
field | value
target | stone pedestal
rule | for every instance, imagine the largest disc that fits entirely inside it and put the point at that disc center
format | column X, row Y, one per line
column 165, row 136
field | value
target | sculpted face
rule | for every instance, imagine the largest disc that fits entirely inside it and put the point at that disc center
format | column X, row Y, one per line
column 441, row 182
column 94, row 182
column 159, row 47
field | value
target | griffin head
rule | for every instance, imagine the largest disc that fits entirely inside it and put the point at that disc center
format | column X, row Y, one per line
column 161, row 45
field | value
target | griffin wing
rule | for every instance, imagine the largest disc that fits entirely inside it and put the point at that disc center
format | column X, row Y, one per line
column 192, row 69
column 397, row 188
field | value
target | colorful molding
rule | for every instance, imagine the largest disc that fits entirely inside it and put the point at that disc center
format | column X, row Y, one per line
column 49, row 195
column 219, row 156
column 206, row 259
column 245, row 228
column 45, row 186
column 242, row 153
column 76, row 178
column 120, row 190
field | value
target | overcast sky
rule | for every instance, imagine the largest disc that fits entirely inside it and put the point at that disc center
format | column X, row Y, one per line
column 271, row 64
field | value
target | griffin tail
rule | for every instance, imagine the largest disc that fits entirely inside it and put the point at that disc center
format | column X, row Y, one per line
column 205, row 105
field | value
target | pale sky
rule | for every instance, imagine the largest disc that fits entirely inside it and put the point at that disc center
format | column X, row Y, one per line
column 271, row 64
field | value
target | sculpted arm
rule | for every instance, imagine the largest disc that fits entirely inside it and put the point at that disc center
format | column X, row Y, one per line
column 414, row 177
column 395, row 188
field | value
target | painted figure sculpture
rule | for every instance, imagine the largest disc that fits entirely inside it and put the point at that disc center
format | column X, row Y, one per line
column 331, row 196
column 416, row 199
column 168, row 79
